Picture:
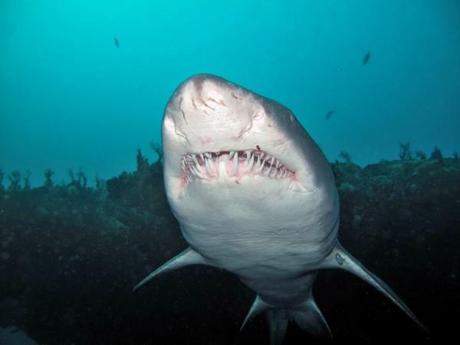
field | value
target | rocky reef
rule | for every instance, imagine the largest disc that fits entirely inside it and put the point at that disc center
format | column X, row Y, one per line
column 70, row 255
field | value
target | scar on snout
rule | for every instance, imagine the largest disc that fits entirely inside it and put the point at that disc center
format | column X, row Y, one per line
column 181, row 110
column 208, row 106
column 194, row 104
column 215, row 101
column 235, row 96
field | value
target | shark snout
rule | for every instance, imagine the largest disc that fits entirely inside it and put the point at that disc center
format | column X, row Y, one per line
column 208, row 109
column 205, row 95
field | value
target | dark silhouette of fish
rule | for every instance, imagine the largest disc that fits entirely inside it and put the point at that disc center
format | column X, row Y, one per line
column 117, row 43
column 329, row 114
column 366, row 58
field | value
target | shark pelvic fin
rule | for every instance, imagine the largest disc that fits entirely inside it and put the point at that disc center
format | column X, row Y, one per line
column 339, row 258
column 309, row 318
column 186, row 258
column 257, row 307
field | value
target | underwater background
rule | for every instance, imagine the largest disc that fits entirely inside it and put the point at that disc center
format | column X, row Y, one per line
column 83, row 215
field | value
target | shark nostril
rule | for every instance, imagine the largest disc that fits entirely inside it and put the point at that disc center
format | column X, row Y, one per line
column 258, row 115
column 235, row 96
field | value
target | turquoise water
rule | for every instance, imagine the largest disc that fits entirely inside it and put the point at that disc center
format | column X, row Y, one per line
column 83, row 83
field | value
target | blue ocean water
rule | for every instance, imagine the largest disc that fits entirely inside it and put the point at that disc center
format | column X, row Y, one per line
column 83, row 84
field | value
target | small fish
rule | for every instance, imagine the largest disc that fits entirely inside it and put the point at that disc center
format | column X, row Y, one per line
column 117, row 43
column 366, row 58
column 329, row 114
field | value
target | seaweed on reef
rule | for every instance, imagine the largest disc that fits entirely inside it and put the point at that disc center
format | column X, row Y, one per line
column 437, row 155
column 26, row 179
column 48, row 183
column 419, row 154
column 82, row 179
column 78, row 180
column 405, row 152
column 15, row 181
column 2, row 175
column 142, row 188
column 345, row 156
column 55, row 237
column 158, row 150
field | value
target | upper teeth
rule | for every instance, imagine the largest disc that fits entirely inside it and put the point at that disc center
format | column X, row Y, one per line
column 206, row 165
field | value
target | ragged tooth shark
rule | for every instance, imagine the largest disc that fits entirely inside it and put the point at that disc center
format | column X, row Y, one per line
column 254, row 195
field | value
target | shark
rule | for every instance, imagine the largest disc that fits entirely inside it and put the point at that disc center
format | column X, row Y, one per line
column 254, row 195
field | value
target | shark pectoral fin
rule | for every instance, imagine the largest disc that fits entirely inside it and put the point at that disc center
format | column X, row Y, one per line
column 309, row 318
column 339, row 258
column 186, row 258
column 257, row 307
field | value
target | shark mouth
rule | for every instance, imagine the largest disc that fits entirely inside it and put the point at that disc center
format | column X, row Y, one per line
column 212, row 165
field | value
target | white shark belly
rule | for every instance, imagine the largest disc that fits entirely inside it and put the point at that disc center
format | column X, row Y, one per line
column 277, row 263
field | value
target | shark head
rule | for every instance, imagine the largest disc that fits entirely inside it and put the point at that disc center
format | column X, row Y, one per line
column 227, row 148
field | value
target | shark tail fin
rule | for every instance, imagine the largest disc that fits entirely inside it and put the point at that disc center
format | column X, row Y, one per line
column 186, row 258
column 306, row 315
column 339, row 258
column 278, row 323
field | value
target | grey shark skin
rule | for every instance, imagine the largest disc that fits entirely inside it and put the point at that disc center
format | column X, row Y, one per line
column 254, row 195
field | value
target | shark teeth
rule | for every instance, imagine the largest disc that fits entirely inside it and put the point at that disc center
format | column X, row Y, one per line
column 251, row 162
column 235, row 164
column 209, row 167
column 205, row 165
